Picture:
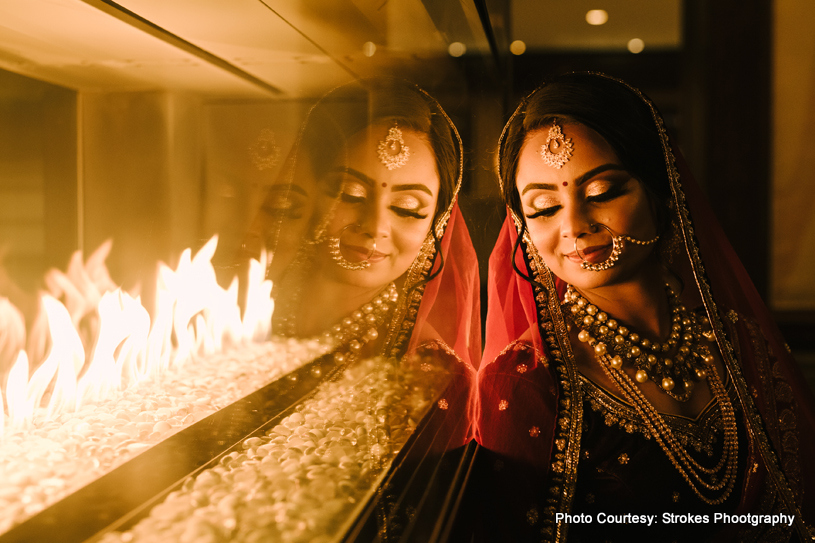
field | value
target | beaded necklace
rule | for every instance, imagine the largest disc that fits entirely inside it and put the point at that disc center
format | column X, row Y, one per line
column 673, row 375
column 719, row 479
column 361, row 326
column 353, row 332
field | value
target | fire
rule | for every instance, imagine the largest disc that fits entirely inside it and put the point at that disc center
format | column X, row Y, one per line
column 194, row 316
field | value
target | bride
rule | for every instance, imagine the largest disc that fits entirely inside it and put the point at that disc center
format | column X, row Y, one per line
column 364, row 228
column 630, row 367
column 369, row 248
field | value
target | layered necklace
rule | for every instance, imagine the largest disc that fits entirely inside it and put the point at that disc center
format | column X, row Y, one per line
column 353, row 331
column 675, row 375
column 615, row 346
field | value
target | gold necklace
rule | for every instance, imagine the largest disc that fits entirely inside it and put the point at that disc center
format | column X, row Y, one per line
column 719, row 479
column 353, row 332
column 674, row 375
column 361, row 326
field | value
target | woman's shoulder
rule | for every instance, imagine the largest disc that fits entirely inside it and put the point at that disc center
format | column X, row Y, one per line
column 521, row 365
column 438, row 349
column 519, row 356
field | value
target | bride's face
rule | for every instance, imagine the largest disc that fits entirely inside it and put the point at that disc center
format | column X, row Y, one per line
column 591, row 189
column 393, row 208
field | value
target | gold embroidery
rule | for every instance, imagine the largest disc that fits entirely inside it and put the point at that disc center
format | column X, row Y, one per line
column 769, row 503
column 502, row 405
column 701, row 435
column 404, row 316
column 443, row 404
column 733, row 316
column 753, row 417
column 778, row 404
column 532, row 516
column 522, row 345
column 439, row 345
column 552, row 328
column 534, row 431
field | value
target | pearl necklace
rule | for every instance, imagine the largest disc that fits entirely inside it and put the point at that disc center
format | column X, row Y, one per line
column 675, row 376
column 361, row 326
column 351, row 333
column 720, row 478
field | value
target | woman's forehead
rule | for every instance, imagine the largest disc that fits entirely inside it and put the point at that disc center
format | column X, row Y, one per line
column 588, row 149
column 418, row 164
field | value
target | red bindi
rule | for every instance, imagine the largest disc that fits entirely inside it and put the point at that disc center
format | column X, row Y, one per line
column 565, row 183
column 384, row 185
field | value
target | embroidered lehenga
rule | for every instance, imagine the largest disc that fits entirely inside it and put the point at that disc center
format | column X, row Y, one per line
column 554, row 441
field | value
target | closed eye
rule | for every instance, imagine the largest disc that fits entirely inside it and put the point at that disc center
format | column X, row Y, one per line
column 283, row 205
column 546, row 212
column 402, row 212
column 352, row 191
column 351, row 199
column 608, row 195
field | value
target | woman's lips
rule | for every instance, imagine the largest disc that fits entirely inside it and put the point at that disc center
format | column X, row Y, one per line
column 593, row 254
column 362, row 253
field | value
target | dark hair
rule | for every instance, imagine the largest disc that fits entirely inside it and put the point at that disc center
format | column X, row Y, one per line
column 608, row 107
column 351, row 108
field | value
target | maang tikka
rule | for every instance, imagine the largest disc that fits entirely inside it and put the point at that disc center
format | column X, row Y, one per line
column 558, row 149
column 392, row 151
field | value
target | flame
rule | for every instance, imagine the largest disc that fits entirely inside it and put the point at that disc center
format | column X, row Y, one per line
column 16, row 390
column 194, row 316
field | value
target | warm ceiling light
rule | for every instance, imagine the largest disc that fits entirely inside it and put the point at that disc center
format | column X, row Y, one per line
column 456, row 49
column 517, row 47
column 368, row 48
column 597, row 17
column 636, row 45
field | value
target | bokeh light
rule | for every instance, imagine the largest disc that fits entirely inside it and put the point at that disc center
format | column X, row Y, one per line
column 597, row 17
column 636, row 45
column 517, row 47
column 456, row 49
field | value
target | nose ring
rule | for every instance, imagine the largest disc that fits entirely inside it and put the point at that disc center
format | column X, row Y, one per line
column 617, row 246
column 616, row 249
column 335, row 250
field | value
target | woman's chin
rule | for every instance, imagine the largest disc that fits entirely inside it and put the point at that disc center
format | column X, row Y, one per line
column 573, row 273
column 376, row 276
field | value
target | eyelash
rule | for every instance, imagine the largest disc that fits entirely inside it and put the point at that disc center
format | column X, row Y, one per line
column 606, row 196
column 610, row 194
column 400, row 211
column 351, row 199
column 292, row 211
column 548, row 212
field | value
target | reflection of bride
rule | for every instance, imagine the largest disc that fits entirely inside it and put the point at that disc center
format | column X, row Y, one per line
column 369, row 247
column 630, row 367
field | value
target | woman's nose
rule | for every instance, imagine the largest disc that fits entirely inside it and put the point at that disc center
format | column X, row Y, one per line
column 375, row 221
column 576, row 222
